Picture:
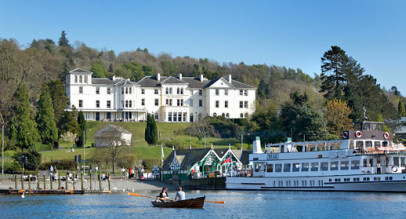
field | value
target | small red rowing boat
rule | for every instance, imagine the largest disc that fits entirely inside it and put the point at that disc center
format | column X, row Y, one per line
column 187, row 203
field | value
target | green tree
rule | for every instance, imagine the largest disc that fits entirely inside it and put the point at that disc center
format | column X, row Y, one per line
column 300, row 119
column 99, row 69
column 401, row 109
column 23, row 128
column 69, row 122
column 63, row 41
column 82, row 125
column 337, row 115
column 45, row 118
column 33, row 159
column 151, row 130
column 59, row 100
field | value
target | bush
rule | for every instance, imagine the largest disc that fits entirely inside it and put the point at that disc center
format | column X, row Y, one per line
column 60, row 165
column 150, row 163
column 178, row 144
column 12, row 167
column 33, row 159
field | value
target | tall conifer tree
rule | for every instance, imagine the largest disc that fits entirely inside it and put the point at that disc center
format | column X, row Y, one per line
column 23, row 127
column 45, row 118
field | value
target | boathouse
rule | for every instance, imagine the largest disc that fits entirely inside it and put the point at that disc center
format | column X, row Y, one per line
column 202, row 163
column 112, row 135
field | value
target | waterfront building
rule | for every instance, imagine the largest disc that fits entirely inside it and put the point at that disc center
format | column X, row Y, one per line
column 168, row 98
column 202, row 163
column 112, row 135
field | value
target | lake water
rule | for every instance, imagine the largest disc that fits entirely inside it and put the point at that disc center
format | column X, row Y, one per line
column 244, row 204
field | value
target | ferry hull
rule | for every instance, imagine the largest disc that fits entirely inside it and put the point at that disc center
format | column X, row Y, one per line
column 396, row 184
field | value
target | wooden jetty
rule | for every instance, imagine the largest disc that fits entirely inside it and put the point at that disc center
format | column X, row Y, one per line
column 42, row 192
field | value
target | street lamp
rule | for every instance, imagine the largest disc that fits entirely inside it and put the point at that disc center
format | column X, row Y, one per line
column 242, row 137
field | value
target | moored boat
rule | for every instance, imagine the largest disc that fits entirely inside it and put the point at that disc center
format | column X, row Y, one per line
column 187, row 203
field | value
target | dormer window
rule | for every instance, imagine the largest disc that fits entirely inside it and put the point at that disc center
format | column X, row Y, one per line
column 80, row 79
column 76, row 79
column 86, row 79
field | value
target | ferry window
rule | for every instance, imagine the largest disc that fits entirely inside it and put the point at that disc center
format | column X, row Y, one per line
column 344, row 165
column 286, row 167
column 324, row 166
column 296, row 167
column 322, row 146
column 299, row 147
column 368, row 143
column 365, row 163
column 352, row 144
column 315, row 167
column 354, row 164
column 258, row 167
column 305, row 167
column 278, row 167
column 371, row 162
column 282, row 149
column 269, row 168
column 377, row 143
column 334, row 165
column 360, row 144
column 396, row 161
column 385, row 144
column 335, row 146
column 311, row 147
column 403, row 161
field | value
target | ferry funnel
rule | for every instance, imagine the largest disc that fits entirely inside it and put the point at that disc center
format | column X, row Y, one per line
column 256, row 148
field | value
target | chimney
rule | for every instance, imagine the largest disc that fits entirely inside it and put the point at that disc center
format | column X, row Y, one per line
column 201, row 77
column 229, row 78
column 256, row 148
column 158, row 76
column 180, row 76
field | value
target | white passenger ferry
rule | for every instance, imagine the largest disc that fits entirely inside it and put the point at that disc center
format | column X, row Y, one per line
column 364, row 160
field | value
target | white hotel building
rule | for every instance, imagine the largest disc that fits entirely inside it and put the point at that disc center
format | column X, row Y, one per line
column 169, row 99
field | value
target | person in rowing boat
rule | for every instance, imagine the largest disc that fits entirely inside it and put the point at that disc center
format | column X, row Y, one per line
column 180, row 195
column 163, row 196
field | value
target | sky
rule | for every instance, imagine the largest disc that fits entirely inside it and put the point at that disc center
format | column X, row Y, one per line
column 287, row 33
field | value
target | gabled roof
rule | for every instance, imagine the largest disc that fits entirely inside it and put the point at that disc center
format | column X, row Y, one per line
column 172, row 80
column 238, row 84
column 194, row 82
column 218, row 79
column 151, row 81
column 191, row 156
column 80, row 70
column 113, row 82
column 110, row 131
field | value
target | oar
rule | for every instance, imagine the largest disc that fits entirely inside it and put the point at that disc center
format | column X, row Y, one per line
column 146, row 196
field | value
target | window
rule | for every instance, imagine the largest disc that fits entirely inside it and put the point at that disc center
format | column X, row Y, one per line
column 108, row 115
column 217, row 92
column 122, row 90
column 179, row 117
column 169, row 117
column 269, row 168
column 315, row 167
column 245, row 104
column 130, row 104
column 142, row 91
column 200, row 92
column 178, row 90
column 241, row 104
column 97, row 103
column 108, row 90
column 81, row 90
column 223, row 115
column 278, row 167
column 200, row 103
column 97, row 90
column 241, row 92
column 184, row 117
column 245, row 92
column 354, row 164
column 324, row 166
column 344, row 165
column 214, row 114
column 170, row 90
column 156, row 91
column 85, row 79
column 181, row 90
column 80, row 79
column 286, row 167
column 179, row 102
column 296, row 167
column 169, row 102
column 305, row 167
column 191, row 117
column 226, row 104
column 227, row 115
column 217, row 103
column 130, row 90
column 226, row 92
column 241, row 115
column 396, row 161
column 76, row 79
column 156, row 102
column 142, row 102
column 80, row 103
column 167, row 90
column 156, row 116
column 175, row 116
column 126, row 104
column 190, row 102
column 108, row 104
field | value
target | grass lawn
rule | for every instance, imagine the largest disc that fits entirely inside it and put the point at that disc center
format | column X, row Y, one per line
column 141, row 149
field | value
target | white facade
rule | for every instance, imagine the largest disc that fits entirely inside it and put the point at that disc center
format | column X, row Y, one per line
column 169, row 99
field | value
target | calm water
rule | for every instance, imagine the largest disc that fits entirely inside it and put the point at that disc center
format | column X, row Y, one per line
column 238, row 205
